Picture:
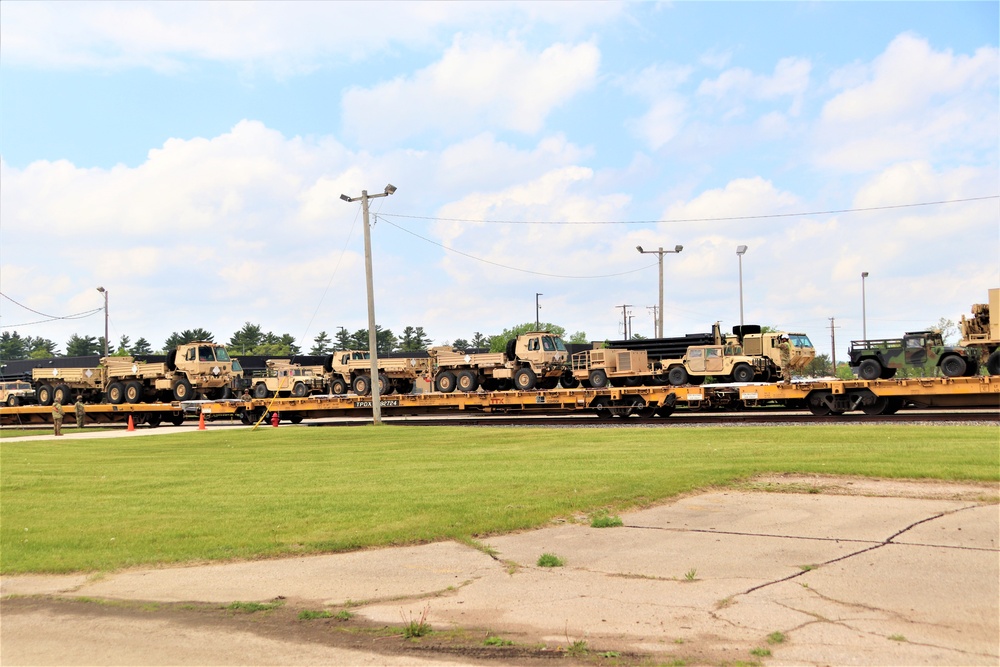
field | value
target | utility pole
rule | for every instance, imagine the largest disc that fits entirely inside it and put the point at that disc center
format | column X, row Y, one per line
column 833, row 346
column 625, row 307
column 659, row 256
column 372, row 335
column 537, row 308
column 656, row 333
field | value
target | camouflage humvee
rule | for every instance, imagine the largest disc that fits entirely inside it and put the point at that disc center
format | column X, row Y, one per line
column 879, row 359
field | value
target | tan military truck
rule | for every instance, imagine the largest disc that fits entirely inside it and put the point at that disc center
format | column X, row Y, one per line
column 351, row 370
column 16, row 392
column 982, row 332
column 536, row 359
column 752, row 343
column 283, row 378
column 199, row 368
column 600, row 367
column 718, row 361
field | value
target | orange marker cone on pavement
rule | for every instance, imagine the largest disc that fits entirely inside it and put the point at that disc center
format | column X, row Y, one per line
column 201, row 421
column 131, row 424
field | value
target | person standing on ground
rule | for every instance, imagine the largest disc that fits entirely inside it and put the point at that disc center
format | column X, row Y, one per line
column 57, row 417
column 81, row 412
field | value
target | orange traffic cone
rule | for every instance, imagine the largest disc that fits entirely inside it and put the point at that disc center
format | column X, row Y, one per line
column 131, row 424
column 201, row 421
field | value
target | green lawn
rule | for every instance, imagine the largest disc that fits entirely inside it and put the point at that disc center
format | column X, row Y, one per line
column 87, row 505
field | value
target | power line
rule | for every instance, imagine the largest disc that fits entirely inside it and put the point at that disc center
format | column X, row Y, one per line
column 504, row 266
column 680, row 220
column 49, row 318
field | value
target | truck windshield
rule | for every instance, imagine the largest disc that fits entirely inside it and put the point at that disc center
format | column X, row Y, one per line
column 550, row 343
column 799, row 340
column 221, row 354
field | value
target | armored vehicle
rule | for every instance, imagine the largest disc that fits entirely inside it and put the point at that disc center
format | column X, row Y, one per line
column 880, row 359
column 14, row 393
column 284, row 378
column 537, row 359
column 200, row 368
column 981, row 332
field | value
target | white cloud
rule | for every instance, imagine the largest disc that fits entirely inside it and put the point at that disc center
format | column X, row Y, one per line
column 790, row 79
column 476, row 82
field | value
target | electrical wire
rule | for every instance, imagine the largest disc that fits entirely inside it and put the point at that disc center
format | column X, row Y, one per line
column 684, row 220
column 49, row 318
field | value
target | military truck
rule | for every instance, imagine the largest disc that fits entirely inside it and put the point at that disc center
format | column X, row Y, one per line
column 881, row 358
column 537, row 359
column 16, row 392
column 283, row 378
column 199, row 368
column 982, row 332
column 721, row 362
column 600, row 367
column 351, row 370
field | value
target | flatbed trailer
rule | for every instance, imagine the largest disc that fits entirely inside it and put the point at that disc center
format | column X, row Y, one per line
column 821, row 397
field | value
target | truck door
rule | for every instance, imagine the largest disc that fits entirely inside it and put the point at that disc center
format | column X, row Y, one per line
column 713, row 359
column 915, row 350
column 696, row 359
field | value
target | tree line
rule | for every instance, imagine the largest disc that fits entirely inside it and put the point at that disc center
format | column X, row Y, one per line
column 252, row 340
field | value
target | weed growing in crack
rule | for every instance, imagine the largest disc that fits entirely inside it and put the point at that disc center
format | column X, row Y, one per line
column 691, row 575
column 252, row 607
column 807, row 568
column 776, row 638
column 605, row 520
column 761, row 652
column 897, row 638
column 550, row 560
column 344, row 615
column 609, row 654
column 309, row 615
column 417, row 627
column 494, row 640
column 577, row 648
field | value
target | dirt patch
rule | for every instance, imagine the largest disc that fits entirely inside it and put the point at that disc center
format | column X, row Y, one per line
column 927, row 489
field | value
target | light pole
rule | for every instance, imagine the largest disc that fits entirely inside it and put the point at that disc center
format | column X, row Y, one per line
column 105, row 293
column 740, row 251
column 537, row 308
column 660, row 253
column 864, row 309
column 372, row 337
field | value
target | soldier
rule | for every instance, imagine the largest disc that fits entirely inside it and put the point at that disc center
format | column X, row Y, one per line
column 245, row 396
column 81, row 411
column 57, row 417
column 786, row 360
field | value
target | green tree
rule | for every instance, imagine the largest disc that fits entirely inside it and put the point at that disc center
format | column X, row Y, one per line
column 413, row 339
column 12, row 346
column 948, row 329
column 187, row 336
column 818, row 367
column 41, row 348
column 385, row 340
column 321, row 344
column 141, row 346
column 479, row 340
column 79, row 346
column 499, row 341
column 246, row 339
column 461, row 344
column 124, row 347
column 578, row 338
column 288, row 340
column 343, row 340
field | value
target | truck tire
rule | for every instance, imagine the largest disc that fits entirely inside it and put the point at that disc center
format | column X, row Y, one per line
column 362, row 385
column 338, row 386
column 182, row 390
column 299, row 390
column 445, row 382
column 953, row 366
column 13, row 401
column 742, row 373
column 598, row 378
column 525, row 379
column 133, row 392
column 993, row 363
column 44, row 394
column 467, row 381
column 115, row 393
column 384, row 385
column 404, row 386
column 62, row 393
column 870, row 369
column 260, row 390
column 568, row 381
column 677, row 376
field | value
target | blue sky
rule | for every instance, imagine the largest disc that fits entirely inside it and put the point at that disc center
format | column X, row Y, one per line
column 190, row 157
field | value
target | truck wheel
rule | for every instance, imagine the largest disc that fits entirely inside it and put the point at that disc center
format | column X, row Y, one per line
column 338, row 386
column 993, row 363
column 742, row 373
column 133, row 392
column 568, row 381
column 677, row 376
column 467, row 381
column 870, row 369
column 598, row 378
column 62, row 394
column 115, row 393
column 362, row 385
column 260, row 390
column 525, row 379
column 44, row 394
column 13, row 401
column 299, row 390
column 182, row 390
column 445, row 382
column 953, row 366
column 888, row 373
column 404, row 386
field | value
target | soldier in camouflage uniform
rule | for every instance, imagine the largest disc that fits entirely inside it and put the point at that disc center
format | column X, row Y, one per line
column 786, row 360
column 57, row 417
column 81, row 412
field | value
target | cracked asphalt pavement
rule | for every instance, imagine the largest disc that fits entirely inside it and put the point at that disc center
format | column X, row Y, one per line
column 784, row 570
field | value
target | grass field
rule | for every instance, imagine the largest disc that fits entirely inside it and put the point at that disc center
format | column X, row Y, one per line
column 104, row 504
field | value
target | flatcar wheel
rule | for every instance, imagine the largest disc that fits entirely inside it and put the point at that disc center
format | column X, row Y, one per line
column 878, row 407
column 819, row 409
column 601, row 406
column 177, row 418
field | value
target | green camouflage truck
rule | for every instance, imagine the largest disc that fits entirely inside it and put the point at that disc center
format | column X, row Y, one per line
column 879, row 359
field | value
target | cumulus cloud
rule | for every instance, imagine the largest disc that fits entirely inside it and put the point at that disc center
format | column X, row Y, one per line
column 476, row 82
column 789, row 79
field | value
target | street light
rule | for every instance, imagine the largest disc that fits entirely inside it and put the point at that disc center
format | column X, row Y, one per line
column 660, row 253
column 372, row 338
column 105, row 293
column 864, row 314
column 740, row 251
